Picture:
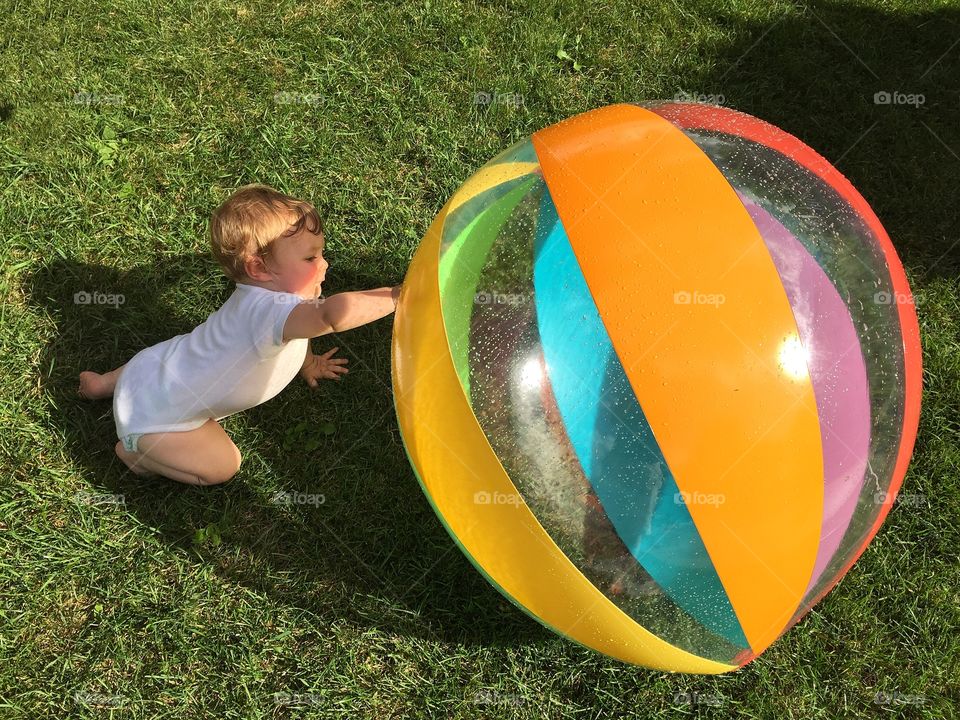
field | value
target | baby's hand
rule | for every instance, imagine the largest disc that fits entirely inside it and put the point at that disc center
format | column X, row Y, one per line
column 316, row 367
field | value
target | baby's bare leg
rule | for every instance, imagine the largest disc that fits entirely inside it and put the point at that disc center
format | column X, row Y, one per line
column 205, row 456
column 95, row 386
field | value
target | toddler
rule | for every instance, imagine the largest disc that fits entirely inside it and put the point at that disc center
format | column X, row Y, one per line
column 168, row 398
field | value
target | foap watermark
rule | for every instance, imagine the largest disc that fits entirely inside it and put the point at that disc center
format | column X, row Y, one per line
column 100, row 499
column 291, row 299
column 298, row 498
column 497, row 98
column 896, row 298
column 114, row 300
column 98, row 699
column 495, row 697
column 901, row 499
column 292, row 98
column 89, row 98
column 710, row 98
column 885, row 97
column 698, row 498
column 484, row 497
column 297, row 699
column 694, row 697
column 485, row 297
column 695, row 297
column 895, row 697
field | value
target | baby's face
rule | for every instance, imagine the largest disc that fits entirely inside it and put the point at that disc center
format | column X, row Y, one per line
column 298, row 264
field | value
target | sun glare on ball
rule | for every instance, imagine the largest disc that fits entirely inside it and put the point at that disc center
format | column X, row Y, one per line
column 792, row 358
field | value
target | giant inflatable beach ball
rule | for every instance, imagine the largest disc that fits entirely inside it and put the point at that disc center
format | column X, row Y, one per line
column 657, row 369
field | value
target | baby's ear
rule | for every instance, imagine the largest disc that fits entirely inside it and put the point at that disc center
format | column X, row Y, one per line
column 255, row 268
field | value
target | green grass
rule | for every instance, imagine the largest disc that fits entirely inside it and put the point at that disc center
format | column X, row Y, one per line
column 185, row 602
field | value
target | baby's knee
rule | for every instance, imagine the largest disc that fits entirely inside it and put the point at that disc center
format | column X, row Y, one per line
column 214, row 479
column 224, row 472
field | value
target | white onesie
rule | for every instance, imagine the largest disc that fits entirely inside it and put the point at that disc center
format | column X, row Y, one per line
column 232, row 361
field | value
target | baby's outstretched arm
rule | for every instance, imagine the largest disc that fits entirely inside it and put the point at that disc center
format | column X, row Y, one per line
column 340, row 312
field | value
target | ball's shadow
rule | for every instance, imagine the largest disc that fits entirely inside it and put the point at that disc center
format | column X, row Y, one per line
column 878, row 96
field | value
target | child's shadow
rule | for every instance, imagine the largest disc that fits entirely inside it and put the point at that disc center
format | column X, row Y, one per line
column 325, row 513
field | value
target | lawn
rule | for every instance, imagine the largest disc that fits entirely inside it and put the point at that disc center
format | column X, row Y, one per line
column 124, row 124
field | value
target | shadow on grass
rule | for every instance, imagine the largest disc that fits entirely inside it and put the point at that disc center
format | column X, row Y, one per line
column 372, row 551
column 818, row 77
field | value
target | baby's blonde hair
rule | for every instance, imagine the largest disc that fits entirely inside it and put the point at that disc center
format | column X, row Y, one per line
column 251, row 219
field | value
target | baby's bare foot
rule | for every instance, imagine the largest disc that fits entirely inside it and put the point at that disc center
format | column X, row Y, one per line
column 94, row 386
